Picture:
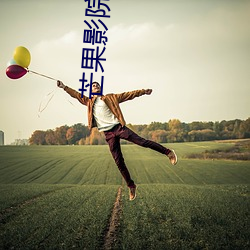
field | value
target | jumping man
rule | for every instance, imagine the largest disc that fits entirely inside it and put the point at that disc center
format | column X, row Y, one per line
column 104, row 113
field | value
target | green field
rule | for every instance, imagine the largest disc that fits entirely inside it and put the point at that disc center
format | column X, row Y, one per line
column 62, row 197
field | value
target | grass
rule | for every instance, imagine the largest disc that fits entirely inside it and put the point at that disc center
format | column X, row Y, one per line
column 61, row 197
column 187, row 217
column 57, row 165
column 240, row 150
column 65, row 218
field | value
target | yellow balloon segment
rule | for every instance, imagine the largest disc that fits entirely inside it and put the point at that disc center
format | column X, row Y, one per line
column 22, row 56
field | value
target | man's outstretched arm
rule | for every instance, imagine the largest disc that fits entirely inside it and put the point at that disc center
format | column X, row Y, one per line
column 132, row 94
column 73, row 93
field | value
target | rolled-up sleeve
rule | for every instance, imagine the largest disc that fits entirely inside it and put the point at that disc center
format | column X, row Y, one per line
column 73, row 93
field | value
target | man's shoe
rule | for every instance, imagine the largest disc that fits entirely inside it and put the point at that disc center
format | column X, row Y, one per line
column 132, row 193
column 172, row 157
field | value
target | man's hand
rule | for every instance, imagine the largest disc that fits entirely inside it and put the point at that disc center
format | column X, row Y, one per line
column 148, row 91
column 60, row 84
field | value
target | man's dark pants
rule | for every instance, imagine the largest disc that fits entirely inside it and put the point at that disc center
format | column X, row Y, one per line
column 113, row 137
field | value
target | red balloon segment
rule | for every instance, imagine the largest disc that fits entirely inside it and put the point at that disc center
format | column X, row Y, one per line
column 15, row 71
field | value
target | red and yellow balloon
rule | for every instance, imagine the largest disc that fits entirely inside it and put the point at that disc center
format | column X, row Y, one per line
column 18, row 64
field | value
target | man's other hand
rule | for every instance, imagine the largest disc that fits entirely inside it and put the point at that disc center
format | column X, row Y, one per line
column 60, row 84
column 148, row 91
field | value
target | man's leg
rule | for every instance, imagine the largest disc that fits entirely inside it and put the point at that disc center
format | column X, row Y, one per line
column 115, row 149
column 129, row 135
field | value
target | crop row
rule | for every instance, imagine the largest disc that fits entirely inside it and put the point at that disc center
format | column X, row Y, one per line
column 94, row 165
column 187, row 217
column 65, row 218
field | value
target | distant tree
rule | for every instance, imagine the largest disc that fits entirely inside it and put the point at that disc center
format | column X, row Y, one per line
column 141, row 130
column 185, row 130
column 202, row 135
column 175, row 133
column 244, row 129
column 217, row 129
column 86, row 141
column 94, row 141
column 82, row 142
column 132, row 127
column 37, row 138
column 81, row 131
column 196, row 126
column 70, row 135
column 145, row 133
column 77, row 133
column 228, row 129
column 208, row 135
column 157, row 126
column 60, row 134
column 209, row 125
column 159, row 135
column 174, row 124
column 236, row 128
column 192, row 135
column 96, row 137
column 50, row 137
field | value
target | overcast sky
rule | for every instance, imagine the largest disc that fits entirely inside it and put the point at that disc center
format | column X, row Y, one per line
column 194, row 54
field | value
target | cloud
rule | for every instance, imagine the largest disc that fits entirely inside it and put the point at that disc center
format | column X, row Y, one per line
column 134, row 42
column 64, row 45
column 127, row 33
column 65, row 40
column 58, row 56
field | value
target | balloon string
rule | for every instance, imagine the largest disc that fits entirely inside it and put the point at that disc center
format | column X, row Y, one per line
column 50, row 96
column 31, row 71
column 71, row 103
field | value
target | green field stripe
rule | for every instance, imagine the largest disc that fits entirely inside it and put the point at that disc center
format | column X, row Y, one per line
column 7, row 164
column 218, row 171
column 66, row 219
column 190, row 175
column 187, row 217
column 88, row 176
column 143, row 170
column 108, row 174
column 43, row 170
column 67, row 172
column 14, row 194
column 99, row 171
column 175, row 173
column 82, row 165
column 163, row 175
column 30, row 170
column 112, row 174
column 10, row 211
column 84, row 179
column 48, row 239
column 183, row 149
column 11, row 171
column 242, row 175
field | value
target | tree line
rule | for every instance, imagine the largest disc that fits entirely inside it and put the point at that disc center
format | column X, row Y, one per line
column 172, row 131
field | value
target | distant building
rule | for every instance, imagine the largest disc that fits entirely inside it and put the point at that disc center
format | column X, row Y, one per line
column 1, row 138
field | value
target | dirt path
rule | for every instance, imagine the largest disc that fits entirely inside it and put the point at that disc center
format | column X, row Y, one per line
column 111, row 235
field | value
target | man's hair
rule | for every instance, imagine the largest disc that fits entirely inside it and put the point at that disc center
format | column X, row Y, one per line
column 96, row 83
